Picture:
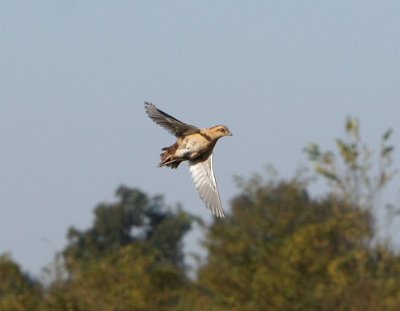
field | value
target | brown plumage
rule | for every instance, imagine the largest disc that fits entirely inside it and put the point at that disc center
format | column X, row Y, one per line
column 194, row 145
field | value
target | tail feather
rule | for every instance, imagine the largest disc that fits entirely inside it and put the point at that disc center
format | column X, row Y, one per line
column 167, row 157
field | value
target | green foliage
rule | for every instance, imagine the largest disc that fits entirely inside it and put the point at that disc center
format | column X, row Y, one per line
column 17, row 291
column 133, row 218
column 282, row 250
column 352, row 172
column 131, row 278
column 130, row 259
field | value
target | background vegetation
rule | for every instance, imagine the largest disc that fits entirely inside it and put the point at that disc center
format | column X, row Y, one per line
column 279, row 248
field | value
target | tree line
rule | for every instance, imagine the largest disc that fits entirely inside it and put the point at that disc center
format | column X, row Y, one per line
column 279, row 247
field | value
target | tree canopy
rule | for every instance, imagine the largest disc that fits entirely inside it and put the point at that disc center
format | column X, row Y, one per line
column 281, row 250
column 18, row 292
column 279, row 247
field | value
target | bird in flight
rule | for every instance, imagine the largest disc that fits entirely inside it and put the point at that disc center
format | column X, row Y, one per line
column 195, row 145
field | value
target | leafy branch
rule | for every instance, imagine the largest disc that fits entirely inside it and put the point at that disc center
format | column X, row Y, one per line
column 351, row 169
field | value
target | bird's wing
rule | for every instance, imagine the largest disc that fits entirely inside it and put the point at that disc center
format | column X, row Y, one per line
column 206, row 185
column 172, row 125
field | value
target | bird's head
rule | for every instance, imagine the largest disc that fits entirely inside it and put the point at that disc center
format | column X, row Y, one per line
column 221, row 131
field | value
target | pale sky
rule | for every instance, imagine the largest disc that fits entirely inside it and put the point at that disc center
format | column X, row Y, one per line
column 74, row 76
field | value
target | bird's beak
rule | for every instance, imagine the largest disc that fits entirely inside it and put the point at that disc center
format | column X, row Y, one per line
column 229, row 134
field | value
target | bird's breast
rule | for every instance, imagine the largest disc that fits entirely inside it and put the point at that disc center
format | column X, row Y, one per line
column 192, row 146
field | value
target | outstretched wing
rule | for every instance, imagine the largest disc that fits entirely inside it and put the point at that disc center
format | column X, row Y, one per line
column 206, row 185
column 172, row 125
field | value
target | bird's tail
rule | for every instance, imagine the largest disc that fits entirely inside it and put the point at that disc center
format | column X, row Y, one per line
column 167, row 157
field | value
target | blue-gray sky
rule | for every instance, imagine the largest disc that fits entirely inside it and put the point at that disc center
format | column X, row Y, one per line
column 74, row 76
